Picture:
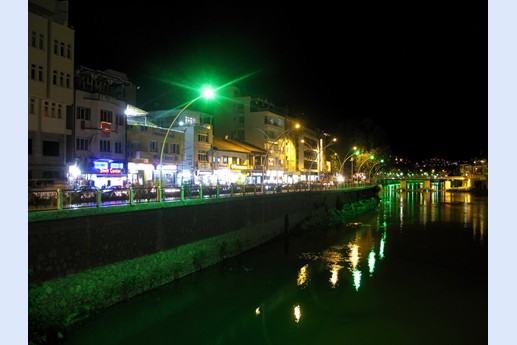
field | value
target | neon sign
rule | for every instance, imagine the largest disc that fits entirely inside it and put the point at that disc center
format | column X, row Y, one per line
column 107, row 167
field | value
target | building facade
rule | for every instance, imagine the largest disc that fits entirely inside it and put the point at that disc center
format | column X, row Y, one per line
column 99, row 145
column 146, row 164
column 50, row 89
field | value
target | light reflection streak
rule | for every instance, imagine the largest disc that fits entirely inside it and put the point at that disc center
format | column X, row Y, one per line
column 381, row 245
column 371, row 261
column 297, row 313
column 334, row 270
column 353, row 257
column 357, row 279
column 303, row 275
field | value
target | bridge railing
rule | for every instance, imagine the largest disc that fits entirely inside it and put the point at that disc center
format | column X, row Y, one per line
column 57, row 199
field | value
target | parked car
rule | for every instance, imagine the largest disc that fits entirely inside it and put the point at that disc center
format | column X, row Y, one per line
column 113, row 191
column 87, row 192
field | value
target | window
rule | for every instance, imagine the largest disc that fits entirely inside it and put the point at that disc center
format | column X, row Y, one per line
column 119, row 119
column 165, row 148
column 41, row 42
column 106, row 116
column 81, row 144
column 32, row 106
column 59, row 111
column 241, row 120
column 202, row 156
column 33, row 72
column 118, row 147
column 202, row 137
column 54, row 77
column 225, row 159
column 61, row 79
column 40, row 73
column 68, row 78
column 45, row 109
column 190, row 120
column 175, row 148
column 33, row 39
column 50, row 148
column 55, row 47
column 62, row 50
column 143, row 128
column 105, row 145
column 83, row 113
column 152, row 146
column 68, row 51
column 53, row 110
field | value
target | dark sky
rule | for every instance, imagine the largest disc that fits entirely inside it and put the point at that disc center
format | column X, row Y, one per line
column 418, row 69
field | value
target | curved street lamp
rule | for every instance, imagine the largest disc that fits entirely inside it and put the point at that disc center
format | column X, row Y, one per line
column 370, row 172
column 319, row 151
column 372, row 157
column 353, row 151
column 206, row 92
column 270, row 142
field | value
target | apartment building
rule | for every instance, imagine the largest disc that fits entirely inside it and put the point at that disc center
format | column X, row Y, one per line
column 145, row 142
column 99, row 126
column 197, row 127
column 50, row 89
column 293, row 152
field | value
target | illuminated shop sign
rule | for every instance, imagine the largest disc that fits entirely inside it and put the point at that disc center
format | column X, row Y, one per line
column 107, row 167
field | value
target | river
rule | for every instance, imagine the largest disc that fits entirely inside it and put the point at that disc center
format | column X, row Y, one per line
column 413, row 271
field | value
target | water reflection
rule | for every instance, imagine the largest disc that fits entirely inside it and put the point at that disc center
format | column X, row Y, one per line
column 297, row 313
column 406, row 266
column 303, row 276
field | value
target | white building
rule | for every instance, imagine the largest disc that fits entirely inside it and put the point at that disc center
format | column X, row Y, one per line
column 50, row 88
column 99, row 126
column 198, row 133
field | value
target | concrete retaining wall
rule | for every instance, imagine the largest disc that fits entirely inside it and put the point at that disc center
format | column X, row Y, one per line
column 79, row 265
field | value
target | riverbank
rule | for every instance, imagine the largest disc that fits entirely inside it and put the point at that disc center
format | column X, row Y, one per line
column 210, row 231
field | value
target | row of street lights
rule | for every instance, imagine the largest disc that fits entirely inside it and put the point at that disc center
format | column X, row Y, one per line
column 209, row 93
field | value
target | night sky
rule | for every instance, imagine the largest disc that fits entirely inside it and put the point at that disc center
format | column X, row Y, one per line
column 417, row 69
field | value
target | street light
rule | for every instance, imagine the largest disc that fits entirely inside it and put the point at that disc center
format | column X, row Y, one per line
column 319, row 150
column 320, row 154
column 271, row 142
column 354, row 151
column 372, row 157
column 206, row 92
column 370, row 172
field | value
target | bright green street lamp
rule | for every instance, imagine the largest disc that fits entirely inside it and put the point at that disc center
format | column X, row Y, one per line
column 206, row 92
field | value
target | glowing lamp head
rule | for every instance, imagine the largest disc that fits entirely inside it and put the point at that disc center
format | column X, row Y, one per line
column 208, row 92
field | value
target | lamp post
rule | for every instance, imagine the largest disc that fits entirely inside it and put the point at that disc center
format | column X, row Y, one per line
column 354, row 151
column 207, row 92
column 319, row 151
column 370, row 172
column 312, row 162
column 372, row 157
column 320, row 154
column 271, row 142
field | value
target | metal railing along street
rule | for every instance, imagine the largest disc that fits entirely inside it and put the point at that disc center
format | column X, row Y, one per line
column 57, row 199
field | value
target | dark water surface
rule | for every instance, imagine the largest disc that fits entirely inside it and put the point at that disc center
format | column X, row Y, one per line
column 414, row 271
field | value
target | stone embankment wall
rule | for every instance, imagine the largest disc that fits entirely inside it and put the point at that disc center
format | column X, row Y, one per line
column 83, row 261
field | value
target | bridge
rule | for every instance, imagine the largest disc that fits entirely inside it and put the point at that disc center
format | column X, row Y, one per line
column 451, row 183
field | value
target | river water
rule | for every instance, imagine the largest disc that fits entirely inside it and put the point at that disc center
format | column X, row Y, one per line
column 414, row 271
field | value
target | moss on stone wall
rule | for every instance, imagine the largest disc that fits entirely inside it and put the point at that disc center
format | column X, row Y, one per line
column 342, row 213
